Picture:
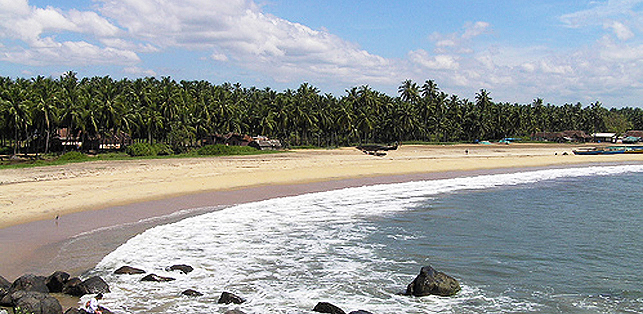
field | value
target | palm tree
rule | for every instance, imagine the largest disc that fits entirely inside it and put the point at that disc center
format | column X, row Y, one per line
column 45, row 112
column 15, row 110
column 409, row 91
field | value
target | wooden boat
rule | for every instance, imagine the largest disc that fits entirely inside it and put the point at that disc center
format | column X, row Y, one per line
column 609, row 150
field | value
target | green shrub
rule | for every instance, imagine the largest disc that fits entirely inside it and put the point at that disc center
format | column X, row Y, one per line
column 71, row 156
column 223, row 150
column 145, row 149
column 6, row 150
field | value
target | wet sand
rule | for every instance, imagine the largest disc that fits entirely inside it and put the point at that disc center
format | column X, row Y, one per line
column 101, row 205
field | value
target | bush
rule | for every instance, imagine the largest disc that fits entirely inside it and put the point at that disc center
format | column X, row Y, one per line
column 71, row 156
column 223, row 150
column 145, row 149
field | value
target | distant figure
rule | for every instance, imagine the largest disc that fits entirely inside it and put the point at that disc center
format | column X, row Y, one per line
column 57, row 219
column 91, row 306
column 466, row 152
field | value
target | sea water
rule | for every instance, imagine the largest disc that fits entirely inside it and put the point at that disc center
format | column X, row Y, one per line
column 547, row 241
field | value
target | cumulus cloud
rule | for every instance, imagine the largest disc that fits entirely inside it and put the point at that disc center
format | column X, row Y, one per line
column 238, row 31
column 438, row 62
column 37, row 27
column 621, row 31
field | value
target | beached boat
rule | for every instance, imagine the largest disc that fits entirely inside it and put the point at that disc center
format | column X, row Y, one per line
column 610, row 150
column 634, row 150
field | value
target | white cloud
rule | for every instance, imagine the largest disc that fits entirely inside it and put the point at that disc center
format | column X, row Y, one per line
column 238, row 31
column 621, row 31
column 437, row 62
column 37, row 29
column 137, row 71
column 600, row 12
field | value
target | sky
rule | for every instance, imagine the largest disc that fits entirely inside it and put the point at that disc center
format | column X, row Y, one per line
column 520, row 50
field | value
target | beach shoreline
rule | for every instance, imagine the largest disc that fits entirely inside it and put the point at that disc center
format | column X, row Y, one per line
column 102, row 205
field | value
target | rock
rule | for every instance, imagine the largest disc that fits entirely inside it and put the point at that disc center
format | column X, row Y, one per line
column 191, row 293
column 4, row 288
column 73, row 310
column 234, row 312
column 432, row 282
column 4, row 283
column 325, row 307
column 182, row 268
column 227, row 298
column 157, row 278
column 75, row 287
column 56, row 281
column 36, row 302
column 128, row 270
column 360, row 312
column 96, row 284
column 30, row 282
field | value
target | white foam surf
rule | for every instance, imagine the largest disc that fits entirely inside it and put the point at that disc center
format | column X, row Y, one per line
column 284, row 255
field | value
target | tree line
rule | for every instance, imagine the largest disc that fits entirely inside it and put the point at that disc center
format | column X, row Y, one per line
column 181, row 113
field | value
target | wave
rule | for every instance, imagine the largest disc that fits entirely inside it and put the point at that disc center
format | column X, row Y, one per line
column 286, row 254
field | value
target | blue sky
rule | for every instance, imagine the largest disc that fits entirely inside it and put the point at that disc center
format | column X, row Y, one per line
column 561, row 51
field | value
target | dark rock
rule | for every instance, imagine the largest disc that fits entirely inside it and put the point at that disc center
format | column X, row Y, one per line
column 360, row 312
column 182, row 268
column 30, row 282
column 432, row 282
column 157, row 278
column 75, row 287
column 227, row 298
column 325, row 307
column 4, row 283
column 234, row 312
column 128, row 270
column 4, row 288
column 36, row 302
column 96, row 284
column 56, row 281
column 191, row 293
column 73, row 310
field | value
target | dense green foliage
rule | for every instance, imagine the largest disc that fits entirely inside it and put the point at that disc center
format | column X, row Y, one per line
column 72, row 156
column 223, row 150
column 179, row 114
column 147, row 149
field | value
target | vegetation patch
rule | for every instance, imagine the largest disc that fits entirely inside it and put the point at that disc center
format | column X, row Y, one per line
column 223, row 150
column 145, row 149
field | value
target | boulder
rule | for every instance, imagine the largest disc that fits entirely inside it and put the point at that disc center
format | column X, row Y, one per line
column 73, row 310
column 56, row 281
column 129, row 270
column 96, row 284
column 191, row 293
column 432, row 282
column 156, row 278
column 36, row 302
column 75, row 287
column 181, row 267
column 30, row 282
column 4, row 288
column 4, row 283
column 227, row 298
column 325, row 307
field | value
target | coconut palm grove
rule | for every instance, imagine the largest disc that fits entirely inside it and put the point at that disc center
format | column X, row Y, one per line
column 180, row 114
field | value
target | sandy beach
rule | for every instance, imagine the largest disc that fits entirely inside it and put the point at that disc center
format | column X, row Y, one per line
column 91, row 198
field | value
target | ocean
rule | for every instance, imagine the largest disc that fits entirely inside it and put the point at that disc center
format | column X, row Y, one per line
column 545, row 241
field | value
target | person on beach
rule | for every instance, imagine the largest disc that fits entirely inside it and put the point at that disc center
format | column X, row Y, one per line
column 91, row 306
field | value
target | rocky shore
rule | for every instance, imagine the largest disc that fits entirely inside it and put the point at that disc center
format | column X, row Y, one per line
column 34, row 294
